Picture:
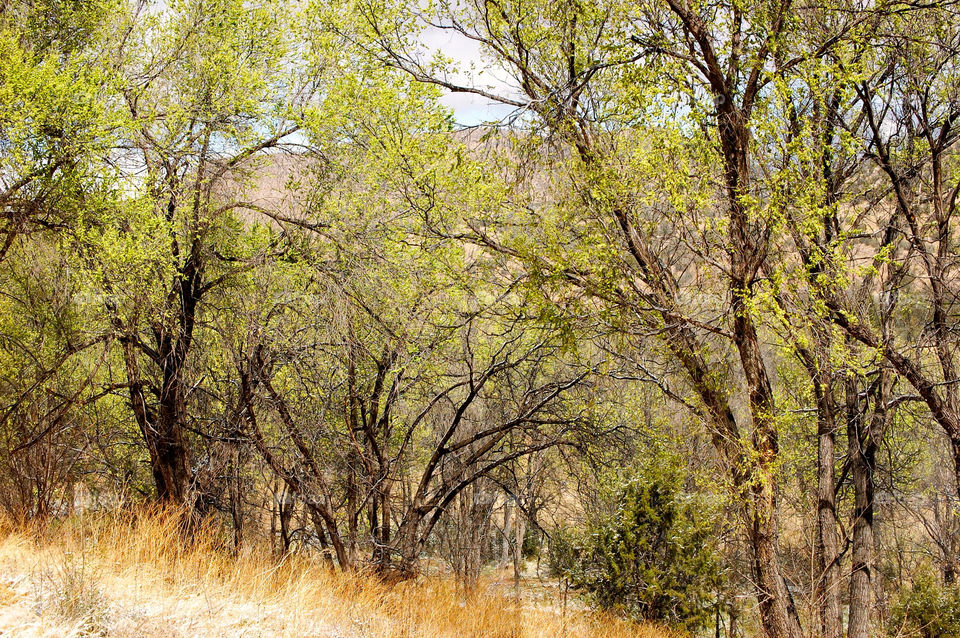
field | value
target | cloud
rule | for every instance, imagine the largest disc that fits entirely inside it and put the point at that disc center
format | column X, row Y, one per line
column 473, row 70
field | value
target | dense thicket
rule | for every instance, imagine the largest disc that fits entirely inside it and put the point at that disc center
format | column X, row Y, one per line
column 252, row 267
column 650, row 551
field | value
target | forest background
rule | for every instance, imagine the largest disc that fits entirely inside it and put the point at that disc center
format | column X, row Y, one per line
column 679, row 321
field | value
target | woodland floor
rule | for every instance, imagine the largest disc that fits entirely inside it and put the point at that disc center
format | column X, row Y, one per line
column 125, row 581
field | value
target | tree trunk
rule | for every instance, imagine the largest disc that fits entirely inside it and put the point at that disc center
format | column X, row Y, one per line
column 173, row 454
column 951, row 561
column 285, row 505
column 827, row 592
column 322, row 524
column 520, row 532
column 862, row 453
column 505, row 553
column 234, row 480
column 777, row 613
column 162, row 433
column 407, row 548
column 746, row 248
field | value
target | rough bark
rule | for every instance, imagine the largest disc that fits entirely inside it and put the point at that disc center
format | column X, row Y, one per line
column 863, row 435
column 162, row 433
column 827, row 591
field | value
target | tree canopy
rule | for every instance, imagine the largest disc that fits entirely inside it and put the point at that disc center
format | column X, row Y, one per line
column 253, row 267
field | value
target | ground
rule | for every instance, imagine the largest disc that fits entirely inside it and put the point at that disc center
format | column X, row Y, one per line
column 134, row 577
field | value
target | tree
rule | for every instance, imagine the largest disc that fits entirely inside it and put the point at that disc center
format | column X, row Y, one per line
column 651, row 555
column 606, row 82
column 56, row 124
column 199, row 83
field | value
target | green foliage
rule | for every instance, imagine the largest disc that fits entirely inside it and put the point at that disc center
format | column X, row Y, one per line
column 54, row 125
column 531, row 543
column 928, row 608
column 650, row 556
column 195, row 194
column 61, row 26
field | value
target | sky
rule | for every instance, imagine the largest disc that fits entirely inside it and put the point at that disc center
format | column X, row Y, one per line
column 469, row 109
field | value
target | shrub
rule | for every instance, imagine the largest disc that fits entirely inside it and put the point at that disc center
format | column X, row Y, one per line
column 926, row 609
column 651, row 556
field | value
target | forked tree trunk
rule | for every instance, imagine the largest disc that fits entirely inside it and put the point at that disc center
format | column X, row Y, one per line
column 163, row 435
column 173, row 454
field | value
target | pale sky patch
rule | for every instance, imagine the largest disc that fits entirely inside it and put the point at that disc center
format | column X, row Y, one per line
column 473, row 70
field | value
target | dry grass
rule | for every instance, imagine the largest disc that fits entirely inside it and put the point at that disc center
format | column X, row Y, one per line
column 132, row 575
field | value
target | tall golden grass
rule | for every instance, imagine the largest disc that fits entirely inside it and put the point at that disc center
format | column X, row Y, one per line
column 132, row 574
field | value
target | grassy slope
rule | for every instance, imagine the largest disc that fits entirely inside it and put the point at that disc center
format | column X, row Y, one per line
column 131, row 576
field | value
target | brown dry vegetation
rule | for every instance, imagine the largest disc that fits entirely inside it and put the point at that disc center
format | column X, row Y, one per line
column 130, row 574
